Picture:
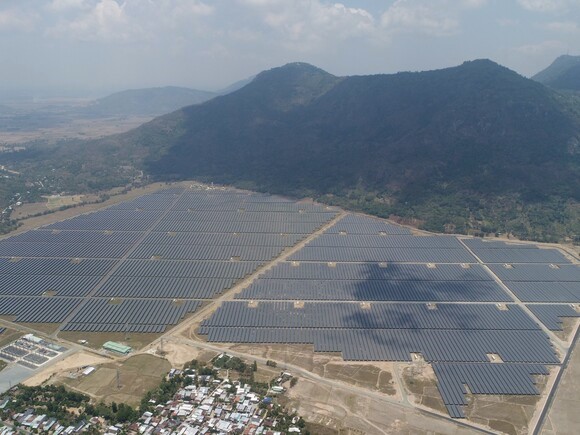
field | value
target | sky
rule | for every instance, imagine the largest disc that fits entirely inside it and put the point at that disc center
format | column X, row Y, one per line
column 100, row 46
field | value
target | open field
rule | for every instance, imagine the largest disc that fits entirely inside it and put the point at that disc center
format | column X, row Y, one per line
column 96, row 340
column 375, row 376
column 137, row 375
column 9, row 335
column 74, row 129
column 69, row 364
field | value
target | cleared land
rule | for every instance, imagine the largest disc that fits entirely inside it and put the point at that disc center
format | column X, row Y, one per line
column 136, row 375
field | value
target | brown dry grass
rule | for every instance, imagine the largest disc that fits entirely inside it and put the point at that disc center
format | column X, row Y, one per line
column 137, row 375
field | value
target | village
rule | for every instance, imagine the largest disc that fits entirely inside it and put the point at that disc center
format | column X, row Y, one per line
column 201, row 401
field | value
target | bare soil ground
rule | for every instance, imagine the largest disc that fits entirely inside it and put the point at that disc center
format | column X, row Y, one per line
column 376, row 376
column 569, row 326
column 50, row 204
column 69, row 364
column 333, row 411
column 45, row 328
column 503, row 413
column 137, row 375
column 97, row 339
column 179, row 354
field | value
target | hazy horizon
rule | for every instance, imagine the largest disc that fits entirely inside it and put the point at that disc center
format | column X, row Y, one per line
column 91, row 48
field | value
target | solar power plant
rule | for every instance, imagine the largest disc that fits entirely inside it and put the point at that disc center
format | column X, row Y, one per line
column 373, row 291
column 364, row 287
column 144, row 264
column 375, row 282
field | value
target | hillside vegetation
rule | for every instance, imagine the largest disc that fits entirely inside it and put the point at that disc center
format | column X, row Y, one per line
column 563, row 74
column 149, row 101
column 475, row 148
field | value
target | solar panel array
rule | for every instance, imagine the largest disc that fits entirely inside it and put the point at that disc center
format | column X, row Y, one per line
column 143, row 264
column 382, row 331
column 552, row 315
column 484, row 379
column 356, row 224
column 375, row 282
column 401, row 294
column 147, row 316
column 541, row 282
column 501, row 252
column 365, row 287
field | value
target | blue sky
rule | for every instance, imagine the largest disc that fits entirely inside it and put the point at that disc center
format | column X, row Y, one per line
column 97, row 46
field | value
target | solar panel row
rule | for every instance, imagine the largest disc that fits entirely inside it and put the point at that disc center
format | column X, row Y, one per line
column 38, row 309
column 186, row 268
column 147, row 202
column 200, row 252
column 552, row 315
column 484, row 379
column 355, row 224
column 390, row 241
column 405, row 255
column 70, row 250
column 530, row 346
column 238, row 227
column 96, row 237
column 101, row 225
column 37, row 285
column 164, row 287
column 248, row 216
column 54, row 266
column 501, row 252
column 374, row 316
column 117, row 315
column 218, row 239
column 546, row 291
column 537, row 272
column 375, row 290
column 376, row 271
column 188, row 204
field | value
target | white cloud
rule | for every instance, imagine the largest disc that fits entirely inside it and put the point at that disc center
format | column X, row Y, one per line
column 431, row 17
column 563, row 26
column 62, row 5
column 16, row 20
column 416, row 16
column 545, row 47
column 548, row 5
column 105, row 21
column 304, row 24
column 129, row 20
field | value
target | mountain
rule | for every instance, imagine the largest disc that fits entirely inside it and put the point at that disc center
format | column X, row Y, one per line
column 563, row 74
column 147, row 102
column 474, row 148
column 235, row 86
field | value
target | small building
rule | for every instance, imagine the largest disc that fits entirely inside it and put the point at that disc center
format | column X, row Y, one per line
column 87, row 371
column 117, row 347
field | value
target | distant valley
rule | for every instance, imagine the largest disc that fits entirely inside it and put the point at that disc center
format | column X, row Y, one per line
column 471, row 149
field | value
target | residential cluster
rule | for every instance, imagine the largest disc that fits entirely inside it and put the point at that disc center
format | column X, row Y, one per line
column 202, row 404
column 216, row 406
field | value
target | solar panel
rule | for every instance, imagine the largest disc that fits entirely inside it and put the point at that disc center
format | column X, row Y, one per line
column 552, row 315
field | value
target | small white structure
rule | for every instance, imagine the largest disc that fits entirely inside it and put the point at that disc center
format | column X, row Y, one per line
column 88, row 370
